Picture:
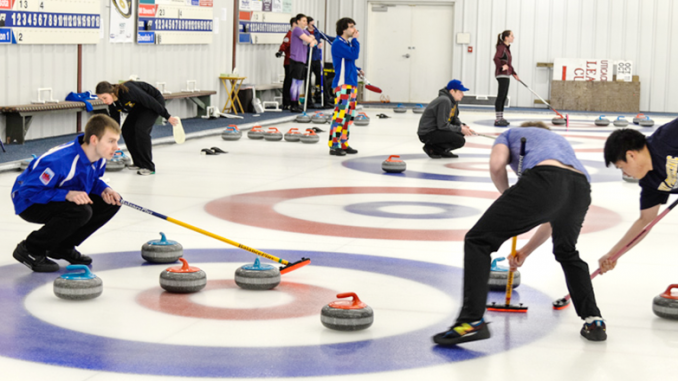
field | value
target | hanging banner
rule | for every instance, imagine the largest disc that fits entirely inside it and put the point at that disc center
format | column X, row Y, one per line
column 580, row 69
column 122, row 21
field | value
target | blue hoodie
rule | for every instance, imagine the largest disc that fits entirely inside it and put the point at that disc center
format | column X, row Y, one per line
column 344, row 55
column 50, row 177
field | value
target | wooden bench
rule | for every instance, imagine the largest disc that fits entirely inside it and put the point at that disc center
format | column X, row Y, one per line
column 19, row 118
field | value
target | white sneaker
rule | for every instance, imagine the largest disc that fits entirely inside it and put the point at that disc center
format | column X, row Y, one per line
column 145, row 172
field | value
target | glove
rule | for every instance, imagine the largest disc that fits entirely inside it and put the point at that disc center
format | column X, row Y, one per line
column 278, row 54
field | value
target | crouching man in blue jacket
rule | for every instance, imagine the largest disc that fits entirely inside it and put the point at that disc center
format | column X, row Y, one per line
column 63, row 190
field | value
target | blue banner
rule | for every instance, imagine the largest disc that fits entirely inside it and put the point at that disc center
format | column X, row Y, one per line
column 5, row 36
column 180, row 25
column 146, row 38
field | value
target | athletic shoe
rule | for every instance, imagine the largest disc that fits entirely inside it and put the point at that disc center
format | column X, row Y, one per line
column 449, row 155
column 501, row 122
column 350, row 150
column 337, row 152
column 431, row 154
column 73, row 256
column 463, row 333
column 147, row 172
column 39, row 264
column 595, row 330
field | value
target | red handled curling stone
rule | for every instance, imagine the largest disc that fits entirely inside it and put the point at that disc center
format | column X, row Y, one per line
column 347, row 315
column 78, row 284
column 255, row 133
column 559, row 121
column 309, row 137
column 602, row 121
column 499, row 276
column 620, row 122
column 666, row 305
column 391, row 165
column 273, row 135
column 257, row 276
column 638, row 118
column 232, row 132
column 162, row 250
column 293, row 135
column 183, row 279
column 361, row 120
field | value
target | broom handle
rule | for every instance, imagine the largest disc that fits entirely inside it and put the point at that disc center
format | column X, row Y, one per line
column 542, row 99
column 205, row 232
column 509, row 281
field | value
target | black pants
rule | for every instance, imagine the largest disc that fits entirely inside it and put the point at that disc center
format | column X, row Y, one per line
column 315, row 70
column 286, row 86
column 137, row 134
column 502, row 93
column 543, row 194
column 441, row 141
column 66, row 224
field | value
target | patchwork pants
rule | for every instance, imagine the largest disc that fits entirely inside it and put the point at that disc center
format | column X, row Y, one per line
column 344, row 113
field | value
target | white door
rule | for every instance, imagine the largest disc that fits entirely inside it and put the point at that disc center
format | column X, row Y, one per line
column 409, row 51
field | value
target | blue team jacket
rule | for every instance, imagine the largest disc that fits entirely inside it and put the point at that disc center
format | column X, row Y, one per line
column 51, row 176
column 344, row 55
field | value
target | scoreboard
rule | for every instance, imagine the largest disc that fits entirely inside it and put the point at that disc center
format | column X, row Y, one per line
column 175, row 22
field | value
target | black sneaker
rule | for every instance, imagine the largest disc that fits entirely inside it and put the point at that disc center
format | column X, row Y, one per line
column 449, row 154
column 73, row 256
column 463, row 333
column 501, row 122
column 296, row 109
column 337, row 152
column 430, row 153
column 350, row 150
column 39, row 264
column 594, row 331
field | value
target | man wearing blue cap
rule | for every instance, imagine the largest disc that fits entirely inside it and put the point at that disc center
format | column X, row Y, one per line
column 440, row 129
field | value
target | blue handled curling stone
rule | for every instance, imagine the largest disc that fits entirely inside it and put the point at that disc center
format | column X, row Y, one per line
column 183, row 279
column 666, row 305
column 418, row 109
column 499, row 276
column 621, row 122
column 400, row 109
column 257, row 276
column 309, row 137
column 162, row 250
column 231, row 133
column 78, row 284
column 347, row 315
column 319, row 118
column 647, row 122
column 361, row 120
column 273, row 135
column 303, row 118
column 392, row 165
column 116, row 163
column 293, row 135
column 256, row 133
column 602, row 121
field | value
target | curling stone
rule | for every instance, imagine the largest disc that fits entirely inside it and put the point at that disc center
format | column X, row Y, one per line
column 256, row 133
column 621, row 122
column 638, row 118
column 319, row 118
column 666, row 305
column 231, row 133
column 78, row 284
column 647, row 122
column 361, row 120
column 116, row 163
column 273, row 135
column 293, row 135
column 559, row 121
column 629, row 179
column 303, row 118
column 309, row 137
column 418, row 109
column 499, row 276
column 183, row 279
column 400, row 109
column 347, row 315
column 393, row 166
column 257, row 276
column 602, row 121
column 25, row 163
column 162, row 250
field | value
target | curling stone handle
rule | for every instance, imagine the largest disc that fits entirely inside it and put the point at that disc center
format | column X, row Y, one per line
column 184, row 265
column 667, row 293
column 356, row 300
column 232, row 128
column 310, row 131
column 293, row 129
column 273, row 129
column 82, row 269
column 392, row 156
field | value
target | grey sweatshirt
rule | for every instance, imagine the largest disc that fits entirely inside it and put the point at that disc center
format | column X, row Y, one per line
column 441, row 114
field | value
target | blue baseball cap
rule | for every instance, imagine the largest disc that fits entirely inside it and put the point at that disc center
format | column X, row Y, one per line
column 455, row 84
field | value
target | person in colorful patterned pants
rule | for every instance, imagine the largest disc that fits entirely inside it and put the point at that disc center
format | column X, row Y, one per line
column 345, row 52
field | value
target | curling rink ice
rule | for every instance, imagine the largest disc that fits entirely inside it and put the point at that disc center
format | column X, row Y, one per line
column 394, row 239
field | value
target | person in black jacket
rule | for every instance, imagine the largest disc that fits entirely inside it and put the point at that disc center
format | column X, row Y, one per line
column 143, row 103
column 440, row 129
